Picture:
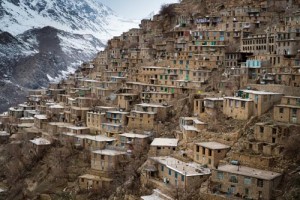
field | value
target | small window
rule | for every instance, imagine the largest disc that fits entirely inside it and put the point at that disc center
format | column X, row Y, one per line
column 170, row 172
column 243, row 104
column 220, row 175
column 233, row 179
column 162, row 168
column 260, row 183
column 261, row 129
column 280, row 110
column 247, row 181
column 182, row 177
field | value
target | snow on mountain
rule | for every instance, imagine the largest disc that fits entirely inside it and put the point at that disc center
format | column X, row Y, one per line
column 76, row 16
column 44, row 40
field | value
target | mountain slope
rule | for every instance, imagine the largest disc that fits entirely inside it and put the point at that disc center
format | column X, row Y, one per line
column 77, row 16
column 32, row 59
column 42, row 41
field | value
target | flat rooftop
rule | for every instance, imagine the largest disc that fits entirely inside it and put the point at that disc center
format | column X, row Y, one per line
column 260, row 92
column 287, row 106
column 239, row 98
column 187, row 169
column 40, row 141
column 213, row 145
column 93, row 177
column 109, row 152
column 41, row 117
column 169, row 142
column 98, row 138
column 248, row 171
column 151, row 105
column 78, row 127
column 133, row 135
column 214, row 98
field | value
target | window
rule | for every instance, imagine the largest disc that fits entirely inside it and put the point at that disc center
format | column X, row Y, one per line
column 209, row 152
column 162, row 168
column 176, row 175
column 260, row 183
column 247, row 191
column 102, row 157
column 220, row 175
column 236, row 104
column 247, row 181
column 230, row 103
column 170, row 172
column 197, row 148
column 182, row 177
column 243, row 104
column 233, row 179
column 294, row 112
column 280, row 110
column 261, row 129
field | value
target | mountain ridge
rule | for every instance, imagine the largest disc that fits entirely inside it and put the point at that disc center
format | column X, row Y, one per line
column 42, row 41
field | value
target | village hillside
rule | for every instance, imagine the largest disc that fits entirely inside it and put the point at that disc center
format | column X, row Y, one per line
column 202, row 101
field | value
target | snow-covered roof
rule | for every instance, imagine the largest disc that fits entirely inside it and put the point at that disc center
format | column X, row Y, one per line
column 172, row 142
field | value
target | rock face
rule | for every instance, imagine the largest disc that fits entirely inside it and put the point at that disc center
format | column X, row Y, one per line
column 42, row 41
column 34, row 58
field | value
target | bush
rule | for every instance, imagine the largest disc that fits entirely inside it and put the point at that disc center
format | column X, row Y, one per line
column 291, row 148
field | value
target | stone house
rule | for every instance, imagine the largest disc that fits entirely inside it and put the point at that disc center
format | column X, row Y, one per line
column 213, row 105
column 107, row 162
column 210, row 153
column 40, row 121
column 288, row 111
column 126, row 100
column 191, row 127
column 175, row 173
column 248, row 103
column 94, row 120
column 163, row 146
column 133, row 142
column 246, row 182
column 146, row 115
column 39, row 145
column 93, row 182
